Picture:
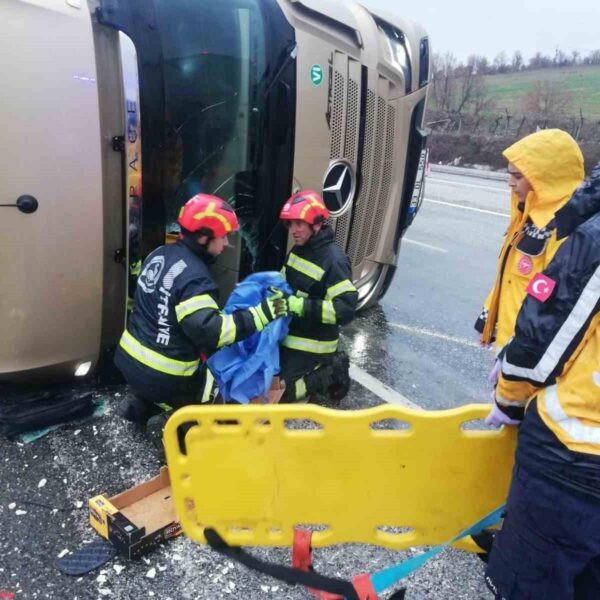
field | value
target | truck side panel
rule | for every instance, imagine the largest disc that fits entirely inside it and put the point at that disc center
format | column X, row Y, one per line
column 51, row 261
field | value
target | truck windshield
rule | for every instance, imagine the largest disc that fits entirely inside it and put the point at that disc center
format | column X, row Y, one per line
column 214, row 63
column 217, row 90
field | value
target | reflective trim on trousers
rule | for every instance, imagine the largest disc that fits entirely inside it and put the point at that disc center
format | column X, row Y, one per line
column 300, row 388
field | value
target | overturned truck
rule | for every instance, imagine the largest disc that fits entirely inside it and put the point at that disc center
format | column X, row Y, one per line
column 115, row 112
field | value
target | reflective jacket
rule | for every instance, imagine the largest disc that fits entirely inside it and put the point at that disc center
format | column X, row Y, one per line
column 320, row 272
column 553, row 164
column 176, row 318
column 555, row 354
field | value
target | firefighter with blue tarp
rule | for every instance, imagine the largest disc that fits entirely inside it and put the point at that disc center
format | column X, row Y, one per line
column 176, row 321
column 324, row 299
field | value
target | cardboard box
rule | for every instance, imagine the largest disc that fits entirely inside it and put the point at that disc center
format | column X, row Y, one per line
column 137, row 520
column 275, row 393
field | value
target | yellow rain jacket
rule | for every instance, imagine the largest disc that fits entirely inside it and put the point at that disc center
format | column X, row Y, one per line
column 555, row 353
column 553, row 164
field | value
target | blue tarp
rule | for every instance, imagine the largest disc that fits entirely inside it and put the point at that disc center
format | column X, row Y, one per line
column 245, row 369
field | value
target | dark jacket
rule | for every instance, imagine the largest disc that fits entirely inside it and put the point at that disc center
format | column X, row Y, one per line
column 176, row 319
column 320, row 272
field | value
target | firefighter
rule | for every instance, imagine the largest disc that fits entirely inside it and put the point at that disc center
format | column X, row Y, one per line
column 324, row 298
column 549, row 544
column 544, row 169
column 176, row 319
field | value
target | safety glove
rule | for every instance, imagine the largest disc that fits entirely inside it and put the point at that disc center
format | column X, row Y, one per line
column 274, row 307
column 494, row 374
column 295, row 305
column 496, row 418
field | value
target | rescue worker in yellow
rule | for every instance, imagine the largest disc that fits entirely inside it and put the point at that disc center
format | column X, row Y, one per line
column 176, row 320
column 549, row 544
column 544, row 170
column 320, row 274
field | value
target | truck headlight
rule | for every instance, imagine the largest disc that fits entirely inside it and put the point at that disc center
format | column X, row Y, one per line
column 396, row 43
column 83, row 368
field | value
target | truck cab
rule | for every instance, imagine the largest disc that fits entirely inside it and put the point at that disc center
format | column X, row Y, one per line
column 115, row 112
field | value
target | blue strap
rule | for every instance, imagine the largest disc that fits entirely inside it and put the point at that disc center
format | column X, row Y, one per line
column 387, row 577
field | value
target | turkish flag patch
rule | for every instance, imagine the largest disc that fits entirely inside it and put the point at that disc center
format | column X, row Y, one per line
column 541, row 287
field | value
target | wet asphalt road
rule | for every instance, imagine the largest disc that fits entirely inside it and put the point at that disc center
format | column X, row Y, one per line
column 419, row 341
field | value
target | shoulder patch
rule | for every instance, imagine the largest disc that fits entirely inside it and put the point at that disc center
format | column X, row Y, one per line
column 541, row 287
column 150, row 276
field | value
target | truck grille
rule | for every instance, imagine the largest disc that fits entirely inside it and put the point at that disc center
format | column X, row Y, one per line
column 359, row 230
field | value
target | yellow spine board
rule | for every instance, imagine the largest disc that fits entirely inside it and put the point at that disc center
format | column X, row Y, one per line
column 282, row 466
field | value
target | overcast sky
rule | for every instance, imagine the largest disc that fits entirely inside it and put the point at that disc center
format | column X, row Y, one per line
column 466, row 27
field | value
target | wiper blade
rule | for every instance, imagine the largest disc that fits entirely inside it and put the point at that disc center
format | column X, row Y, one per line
column 290, row 54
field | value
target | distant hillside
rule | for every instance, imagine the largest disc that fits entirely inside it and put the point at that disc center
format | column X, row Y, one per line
column 583, row 82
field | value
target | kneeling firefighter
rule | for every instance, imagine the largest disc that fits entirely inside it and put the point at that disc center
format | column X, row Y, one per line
column 320, row 274
column 176, row 321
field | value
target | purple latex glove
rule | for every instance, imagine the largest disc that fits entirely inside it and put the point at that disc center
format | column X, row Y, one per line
column 496, row 418
column 494, row 374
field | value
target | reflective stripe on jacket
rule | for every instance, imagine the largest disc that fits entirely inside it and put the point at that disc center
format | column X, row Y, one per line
column 553, row 164
column 176, row 318
column 320, row 272
column 555, row 353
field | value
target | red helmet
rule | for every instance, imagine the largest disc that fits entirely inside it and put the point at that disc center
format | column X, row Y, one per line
column 305, row 205
column 203, row 211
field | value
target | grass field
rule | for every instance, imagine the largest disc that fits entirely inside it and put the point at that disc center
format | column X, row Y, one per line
column 582, row 82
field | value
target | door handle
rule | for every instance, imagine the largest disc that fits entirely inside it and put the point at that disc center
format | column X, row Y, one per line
column 26, row 204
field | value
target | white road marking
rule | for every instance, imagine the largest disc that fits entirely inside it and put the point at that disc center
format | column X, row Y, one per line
column 503, row 190
column 481, row 210
column 385, row 392
column 424, row 245
column 436, row 334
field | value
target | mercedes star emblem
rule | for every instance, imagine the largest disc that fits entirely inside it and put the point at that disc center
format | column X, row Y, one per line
column 339, row 186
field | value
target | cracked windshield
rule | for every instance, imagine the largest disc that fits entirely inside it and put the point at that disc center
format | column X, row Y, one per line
column 214, row 65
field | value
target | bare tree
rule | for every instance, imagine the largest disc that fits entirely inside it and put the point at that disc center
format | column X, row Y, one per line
column 467, row 79
column 517, row 61
column 593, row 58
column 540, row 61
column 575, row 58
column 560, row 58
column 547, row 100
column 501, row 63
column 482, row 65
column 444, row 80
column 471, row 90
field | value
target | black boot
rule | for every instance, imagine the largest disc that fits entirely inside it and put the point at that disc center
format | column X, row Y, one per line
column 154, row 429
column 318, row 381
column 134, row 410
column 340, row 367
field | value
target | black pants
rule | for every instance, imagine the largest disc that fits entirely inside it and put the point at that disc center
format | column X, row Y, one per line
column 549, row 544
column 306, row 374
column 158, row 392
